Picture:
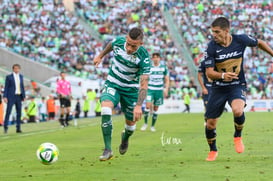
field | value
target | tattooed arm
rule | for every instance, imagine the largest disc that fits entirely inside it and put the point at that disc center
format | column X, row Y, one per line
column 143, row 89
column 141, row 96
column 98, row 59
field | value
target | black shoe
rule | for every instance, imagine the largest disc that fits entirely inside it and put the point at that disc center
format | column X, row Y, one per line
column 19, row 131
column 123, row 147
column 62, row 122
column 66, row 123
column 5, row 131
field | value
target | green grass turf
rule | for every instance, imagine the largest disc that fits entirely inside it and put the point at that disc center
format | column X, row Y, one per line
column 181, row 158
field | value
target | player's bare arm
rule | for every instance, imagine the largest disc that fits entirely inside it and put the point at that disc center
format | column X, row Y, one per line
column 144, row 79
column 200, row 80
column 98, row 59
column 167, row 84
column 225, row 76
column 265, row 47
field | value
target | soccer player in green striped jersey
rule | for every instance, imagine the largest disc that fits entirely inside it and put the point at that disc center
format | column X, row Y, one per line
column 157, row 89
column 127, row 84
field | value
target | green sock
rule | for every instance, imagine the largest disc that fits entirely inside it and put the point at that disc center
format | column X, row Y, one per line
column 146, row 115
column 107, row 127
column 154, row 118
column 129, row 130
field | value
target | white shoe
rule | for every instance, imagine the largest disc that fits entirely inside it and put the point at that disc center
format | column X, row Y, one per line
column 153, row 129
column 144, row 127
column 106, row 155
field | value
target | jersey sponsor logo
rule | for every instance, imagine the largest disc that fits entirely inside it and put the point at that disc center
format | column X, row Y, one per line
column 218, row 51
column 146, row 60
column 157, row 69
column 228, row 55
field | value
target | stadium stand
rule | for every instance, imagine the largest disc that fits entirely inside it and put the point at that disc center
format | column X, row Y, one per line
column 45, row 31
column 116, row 18
column 251, row 17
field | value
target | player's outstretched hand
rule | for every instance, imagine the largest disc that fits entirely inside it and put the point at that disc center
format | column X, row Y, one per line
column 97, row 61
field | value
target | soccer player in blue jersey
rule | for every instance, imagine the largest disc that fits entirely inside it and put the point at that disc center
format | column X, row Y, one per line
column 224, row 65
column 127, row 84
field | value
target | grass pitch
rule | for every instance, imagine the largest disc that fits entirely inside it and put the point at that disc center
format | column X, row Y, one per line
column 176, row 151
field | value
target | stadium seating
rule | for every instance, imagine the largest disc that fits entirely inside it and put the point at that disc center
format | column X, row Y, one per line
column 45, row 32
column 250, row 17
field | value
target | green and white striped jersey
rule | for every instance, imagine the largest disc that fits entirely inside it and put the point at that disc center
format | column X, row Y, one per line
column 125, row 68
column 157, row 75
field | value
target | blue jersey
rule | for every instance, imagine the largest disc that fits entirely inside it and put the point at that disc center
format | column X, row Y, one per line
column 229, row 59
column 202, row 69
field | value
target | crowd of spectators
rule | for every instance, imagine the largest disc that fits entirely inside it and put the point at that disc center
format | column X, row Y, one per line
column 44, row 31
column 253, row 17
column 115, row 18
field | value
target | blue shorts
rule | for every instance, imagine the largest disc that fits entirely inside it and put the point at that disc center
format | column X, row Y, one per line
column 220, row 95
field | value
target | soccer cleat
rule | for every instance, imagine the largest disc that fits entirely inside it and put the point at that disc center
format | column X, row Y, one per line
column 19, row 131
column 212, row 156
column 144, row 127
column 106, row 155
column 62, row 122
column 123, row 147
column 239, row 145
column 153, row 129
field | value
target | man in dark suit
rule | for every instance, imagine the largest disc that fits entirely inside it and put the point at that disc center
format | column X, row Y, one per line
column 14, row 93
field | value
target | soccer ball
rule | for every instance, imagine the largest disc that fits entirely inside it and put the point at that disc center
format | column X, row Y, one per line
column 47, row 153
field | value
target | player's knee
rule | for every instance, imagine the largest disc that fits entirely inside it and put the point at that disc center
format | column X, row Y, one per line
column 155, row 108
column 130, row 123
column 107, row 103
column 211, row 124
column 237, row 112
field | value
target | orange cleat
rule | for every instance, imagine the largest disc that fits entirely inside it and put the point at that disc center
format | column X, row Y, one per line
column 239, row 145
column 212, row 156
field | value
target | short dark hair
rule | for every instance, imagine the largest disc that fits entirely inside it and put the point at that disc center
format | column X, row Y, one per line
column 156, row 54
column 221, row 22
column 136, row 34
column 16, row 65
